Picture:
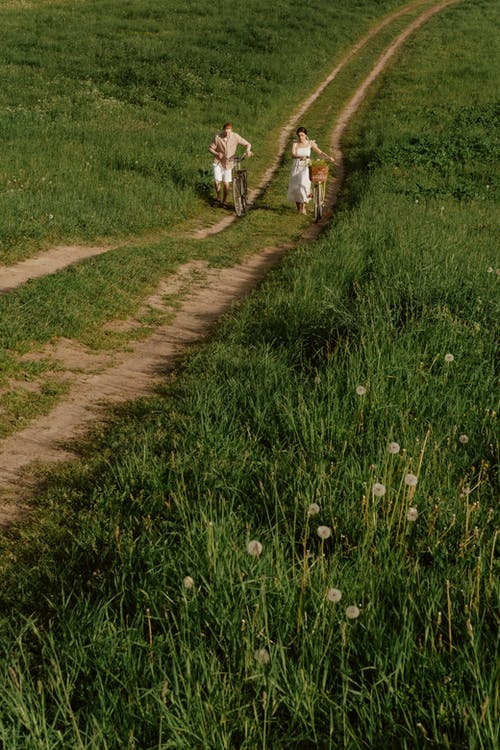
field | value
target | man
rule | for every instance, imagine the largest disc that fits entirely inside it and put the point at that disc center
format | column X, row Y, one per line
column 223, row 148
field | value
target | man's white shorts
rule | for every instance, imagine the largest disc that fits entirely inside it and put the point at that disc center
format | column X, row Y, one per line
column 221, row 175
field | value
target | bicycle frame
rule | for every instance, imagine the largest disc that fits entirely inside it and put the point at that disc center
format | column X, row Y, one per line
column 318, row 184
column 319, row 190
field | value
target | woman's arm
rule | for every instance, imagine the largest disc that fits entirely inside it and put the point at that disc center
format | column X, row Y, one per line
column 316, row 148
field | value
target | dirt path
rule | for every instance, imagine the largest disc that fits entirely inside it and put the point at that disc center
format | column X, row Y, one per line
column 117, row 378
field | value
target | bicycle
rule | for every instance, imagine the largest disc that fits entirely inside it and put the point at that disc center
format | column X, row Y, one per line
column 318, row 174
column 240, row 186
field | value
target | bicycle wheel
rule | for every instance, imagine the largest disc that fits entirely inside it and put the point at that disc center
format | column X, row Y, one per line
column 244, row 192
column 318, row 200
column 237, row 194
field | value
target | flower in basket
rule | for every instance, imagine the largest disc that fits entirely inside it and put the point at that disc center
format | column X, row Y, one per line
column 318, row 170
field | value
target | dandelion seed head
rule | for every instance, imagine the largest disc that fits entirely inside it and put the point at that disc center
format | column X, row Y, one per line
column 393, row 448
column 334, row 595
column 360, row 390
column 254, row 548
column 324, row 532
column 490, row 269
column 261, row 655
column 313, row 509
column 412, row 514
column 411, row 480
column 464, row 439
column 188, row 582
column 449, row 357
column 378, row 489
column 422, row 728
column 352, row 612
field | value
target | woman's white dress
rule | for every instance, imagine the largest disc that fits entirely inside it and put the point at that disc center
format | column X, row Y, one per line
column 299, row 185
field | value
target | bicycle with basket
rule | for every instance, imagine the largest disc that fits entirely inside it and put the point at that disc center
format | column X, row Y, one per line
column 318, row 174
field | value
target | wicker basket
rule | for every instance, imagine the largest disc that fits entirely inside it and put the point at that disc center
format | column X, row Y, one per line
column 318, row 173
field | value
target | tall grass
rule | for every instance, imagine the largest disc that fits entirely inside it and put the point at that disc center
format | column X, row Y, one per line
column 295, row 543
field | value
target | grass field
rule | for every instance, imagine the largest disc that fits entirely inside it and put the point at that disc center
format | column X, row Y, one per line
column 294, row 544
column 108, row 136
column 82, row 302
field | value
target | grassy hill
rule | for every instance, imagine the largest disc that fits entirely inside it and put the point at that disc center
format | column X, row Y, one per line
column 294, row 544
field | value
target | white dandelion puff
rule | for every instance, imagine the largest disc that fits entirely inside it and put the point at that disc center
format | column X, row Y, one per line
column 254, row 548
column 261, row 655
column 378, row 489
column 313, row 509
column 464, row 439
column 449, row 357
column 324, row 532
column 393, row 448
column 412, row 514
column 360, row 390
column 352, row 612
column 188, row 582
column 411, row 480
column 334, row 595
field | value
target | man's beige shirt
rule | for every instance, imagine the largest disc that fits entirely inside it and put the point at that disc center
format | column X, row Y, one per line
column 227, row 146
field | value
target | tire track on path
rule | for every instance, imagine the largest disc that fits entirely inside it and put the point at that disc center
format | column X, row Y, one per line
column 46, row 439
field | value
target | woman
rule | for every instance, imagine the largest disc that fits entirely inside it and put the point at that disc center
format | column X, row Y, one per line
column 299, row 186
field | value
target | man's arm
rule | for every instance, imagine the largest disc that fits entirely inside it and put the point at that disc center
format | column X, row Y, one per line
column 246, row 144
column 215, row 150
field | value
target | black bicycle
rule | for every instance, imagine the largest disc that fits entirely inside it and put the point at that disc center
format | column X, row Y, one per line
column 240, row 186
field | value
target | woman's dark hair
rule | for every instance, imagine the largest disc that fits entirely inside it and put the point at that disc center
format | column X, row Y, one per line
column 301, row 130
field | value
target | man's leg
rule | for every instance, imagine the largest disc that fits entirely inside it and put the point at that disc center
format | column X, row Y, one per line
column 217, row 180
